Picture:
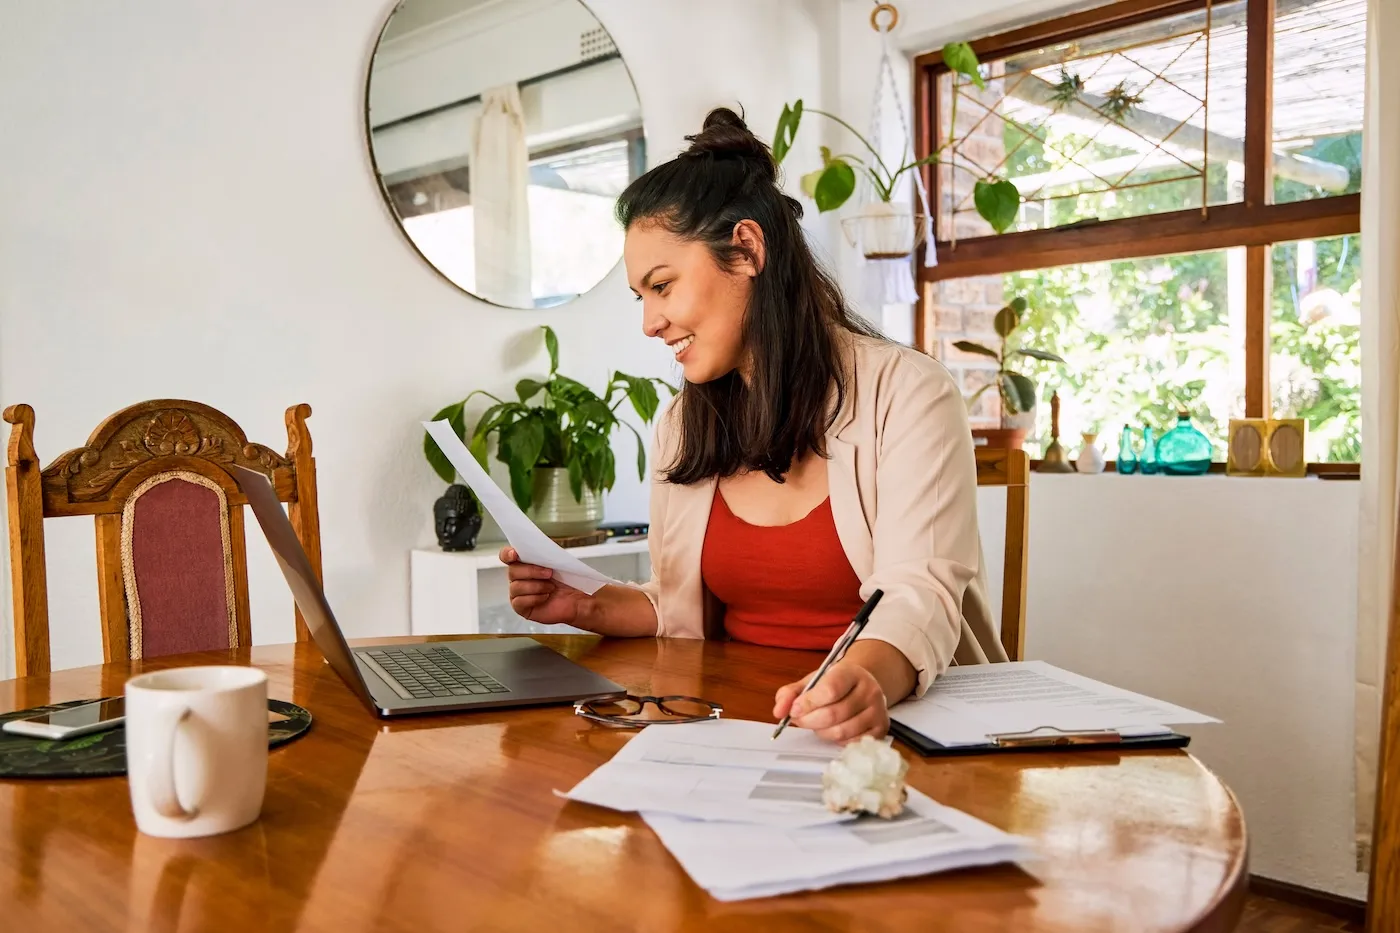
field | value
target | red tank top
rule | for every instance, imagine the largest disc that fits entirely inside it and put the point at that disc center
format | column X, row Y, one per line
column 789, row 586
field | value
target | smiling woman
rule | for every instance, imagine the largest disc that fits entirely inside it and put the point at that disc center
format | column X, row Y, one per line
column 805, row 463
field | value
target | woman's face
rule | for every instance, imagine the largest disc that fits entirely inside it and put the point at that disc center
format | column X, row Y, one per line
column 689, row 300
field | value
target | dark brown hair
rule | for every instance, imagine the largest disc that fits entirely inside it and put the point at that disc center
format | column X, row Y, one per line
column 790, row 326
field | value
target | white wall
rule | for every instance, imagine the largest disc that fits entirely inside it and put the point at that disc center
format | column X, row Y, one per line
column 1235, row 597
column 179, row 223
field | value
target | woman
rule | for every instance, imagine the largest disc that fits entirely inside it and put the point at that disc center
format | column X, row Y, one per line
column 806, row 462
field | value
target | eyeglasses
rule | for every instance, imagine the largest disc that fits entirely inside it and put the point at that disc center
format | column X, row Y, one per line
column 631, row 711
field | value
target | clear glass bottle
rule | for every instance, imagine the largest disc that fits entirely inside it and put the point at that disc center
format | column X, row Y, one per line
column 1127, row 459
column 1184, row 451
column 1148, row 460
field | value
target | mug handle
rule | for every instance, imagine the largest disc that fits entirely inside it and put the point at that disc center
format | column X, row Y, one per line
column 162, row 776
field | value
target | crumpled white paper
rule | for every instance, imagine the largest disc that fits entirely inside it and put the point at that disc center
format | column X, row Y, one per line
column 867, row 777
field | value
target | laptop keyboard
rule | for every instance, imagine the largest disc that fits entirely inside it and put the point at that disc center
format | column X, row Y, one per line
column 435, row 672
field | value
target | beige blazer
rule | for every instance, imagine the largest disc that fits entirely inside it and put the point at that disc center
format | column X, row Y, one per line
column 903, row 484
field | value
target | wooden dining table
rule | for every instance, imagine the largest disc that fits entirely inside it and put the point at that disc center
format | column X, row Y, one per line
column 452, row 822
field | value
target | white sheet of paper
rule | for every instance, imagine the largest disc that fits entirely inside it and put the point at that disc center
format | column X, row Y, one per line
column 738, row 862
column 533, row 545
column 967, row 705
column 654, row 772
column 731, row 743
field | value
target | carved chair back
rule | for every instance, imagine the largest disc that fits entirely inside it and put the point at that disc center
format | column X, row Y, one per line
column 172, row 571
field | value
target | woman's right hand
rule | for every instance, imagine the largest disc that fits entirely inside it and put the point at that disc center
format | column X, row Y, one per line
column 535, row 594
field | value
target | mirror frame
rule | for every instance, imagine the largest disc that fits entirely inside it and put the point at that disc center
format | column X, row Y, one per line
column 383, row 190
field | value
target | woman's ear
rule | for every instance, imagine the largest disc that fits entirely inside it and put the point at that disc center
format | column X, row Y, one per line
column 748, row 236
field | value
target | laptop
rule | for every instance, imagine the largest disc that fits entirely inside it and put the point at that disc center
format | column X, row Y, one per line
column 408, row 678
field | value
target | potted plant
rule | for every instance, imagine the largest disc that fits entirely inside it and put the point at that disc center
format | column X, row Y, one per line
column 1018, row 392
column 554, row 439
column 882, row 229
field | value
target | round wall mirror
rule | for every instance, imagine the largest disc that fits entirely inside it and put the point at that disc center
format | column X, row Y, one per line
column 502, row 132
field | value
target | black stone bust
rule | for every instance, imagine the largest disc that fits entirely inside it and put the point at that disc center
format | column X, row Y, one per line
column 457, row 518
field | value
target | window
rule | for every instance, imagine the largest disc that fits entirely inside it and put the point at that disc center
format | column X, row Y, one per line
column 1315, row 335
column 1117, row 124
column 1319, row 72
column 1187, row 237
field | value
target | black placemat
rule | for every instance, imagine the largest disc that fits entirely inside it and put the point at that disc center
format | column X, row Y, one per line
column 103, row 754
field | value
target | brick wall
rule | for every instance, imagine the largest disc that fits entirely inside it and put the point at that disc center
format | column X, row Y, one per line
column 964, row 309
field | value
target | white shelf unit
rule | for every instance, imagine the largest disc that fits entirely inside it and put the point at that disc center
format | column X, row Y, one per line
column 466, row 592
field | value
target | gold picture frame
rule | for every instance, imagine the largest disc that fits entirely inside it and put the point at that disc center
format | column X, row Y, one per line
column 1267, row 447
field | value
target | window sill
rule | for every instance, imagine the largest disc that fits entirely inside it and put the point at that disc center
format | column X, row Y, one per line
column 1320, row 470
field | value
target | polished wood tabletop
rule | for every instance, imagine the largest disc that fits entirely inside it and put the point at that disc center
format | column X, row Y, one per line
column 451, row 823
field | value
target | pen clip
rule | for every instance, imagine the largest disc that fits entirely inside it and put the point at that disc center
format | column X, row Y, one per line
column 1053, row 735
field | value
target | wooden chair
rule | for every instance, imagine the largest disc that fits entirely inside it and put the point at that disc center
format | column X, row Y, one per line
column 172, row 571
column 1012, row 469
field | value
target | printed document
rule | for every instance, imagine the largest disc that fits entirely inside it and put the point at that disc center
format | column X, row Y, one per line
column 533, row 545
column 743, row 813
column 674, row 769
column 970, row 705
column 736, row 862
column 731, row 743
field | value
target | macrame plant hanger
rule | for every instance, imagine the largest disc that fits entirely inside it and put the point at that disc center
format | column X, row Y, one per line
column 888, row 234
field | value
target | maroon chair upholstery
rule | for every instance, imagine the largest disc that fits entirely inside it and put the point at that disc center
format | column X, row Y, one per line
column 177, row 566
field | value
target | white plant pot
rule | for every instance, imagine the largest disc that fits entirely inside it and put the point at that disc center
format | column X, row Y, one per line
column 882, row 230
column 1024, row 420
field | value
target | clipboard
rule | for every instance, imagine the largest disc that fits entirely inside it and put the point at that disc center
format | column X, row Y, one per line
column 1038, row 740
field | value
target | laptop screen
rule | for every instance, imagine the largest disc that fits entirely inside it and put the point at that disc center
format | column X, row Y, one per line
column 306, row 589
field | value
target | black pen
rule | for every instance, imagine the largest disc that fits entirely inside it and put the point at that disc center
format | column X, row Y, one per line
column 838, row 651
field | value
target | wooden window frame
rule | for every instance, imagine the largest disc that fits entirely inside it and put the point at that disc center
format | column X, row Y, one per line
column 1254, row 223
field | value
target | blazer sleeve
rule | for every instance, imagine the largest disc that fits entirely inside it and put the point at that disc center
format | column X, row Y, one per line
column 925, row 539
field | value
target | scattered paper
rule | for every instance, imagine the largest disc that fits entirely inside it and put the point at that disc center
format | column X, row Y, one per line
column 737, row 862
column 533, row 545
column 972, row 704
column 731, row 743
column 743, row 813
column 671, row 768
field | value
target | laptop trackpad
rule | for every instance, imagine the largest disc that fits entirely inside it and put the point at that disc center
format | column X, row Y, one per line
column 520, row 661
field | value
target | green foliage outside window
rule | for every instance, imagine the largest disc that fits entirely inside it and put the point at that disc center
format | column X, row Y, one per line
column 1142, row 337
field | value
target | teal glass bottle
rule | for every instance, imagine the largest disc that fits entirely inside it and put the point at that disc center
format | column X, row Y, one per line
column 1127, row 459
column 1184, row 451
column 1148, row 459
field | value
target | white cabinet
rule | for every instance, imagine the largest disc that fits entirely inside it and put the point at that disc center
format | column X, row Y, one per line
column 465, row 592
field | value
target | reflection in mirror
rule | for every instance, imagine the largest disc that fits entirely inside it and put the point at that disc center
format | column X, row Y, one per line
column 502, row 132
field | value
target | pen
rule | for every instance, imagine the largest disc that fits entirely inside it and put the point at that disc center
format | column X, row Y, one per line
column 838, row 651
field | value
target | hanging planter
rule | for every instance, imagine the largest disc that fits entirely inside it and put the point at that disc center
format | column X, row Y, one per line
column 835, row 182
column 882, row 230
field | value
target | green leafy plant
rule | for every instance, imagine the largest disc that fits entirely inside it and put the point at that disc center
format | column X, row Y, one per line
column 832, row 185
column 554, row 422
column 1120, row 101
column 1067, row 90
column 1018, row 392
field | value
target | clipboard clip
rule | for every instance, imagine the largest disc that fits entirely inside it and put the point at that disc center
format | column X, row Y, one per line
column 1052, row 735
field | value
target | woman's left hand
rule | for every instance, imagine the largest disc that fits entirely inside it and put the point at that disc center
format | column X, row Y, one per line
column 847, row 703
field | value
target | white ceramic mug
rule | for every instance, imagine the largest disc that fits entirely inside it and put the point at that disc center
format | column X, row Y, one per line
column 196, row 749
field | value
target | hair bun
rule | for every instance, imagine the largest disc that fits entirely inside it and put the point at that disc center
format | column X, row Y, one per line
column 725, row 134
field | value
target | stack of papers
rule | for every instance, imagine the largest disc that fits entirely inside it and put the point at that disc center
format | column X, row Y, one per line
column 743, row 814
column 974, row 705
